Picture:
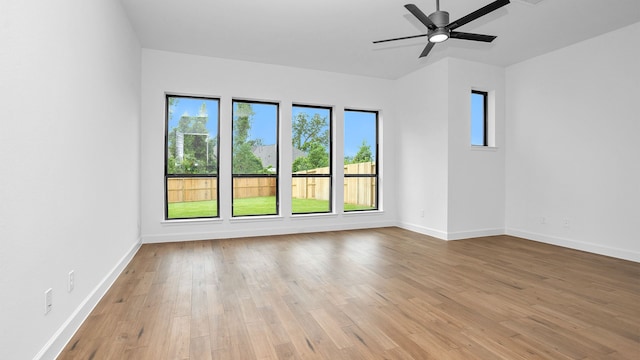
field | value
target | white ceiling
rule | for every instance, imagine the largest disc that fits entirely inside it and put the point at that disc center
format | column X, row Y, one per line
column 337, row 35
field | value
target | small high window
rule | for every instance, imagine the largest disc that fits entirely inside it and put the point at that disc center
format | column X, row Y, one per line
column 479, row 123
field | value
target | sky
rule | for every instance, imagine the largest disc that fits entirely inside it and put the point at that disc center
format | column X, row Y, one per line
column 264, row 123
column 477, row 119
column 191, row 107
column 358, row 125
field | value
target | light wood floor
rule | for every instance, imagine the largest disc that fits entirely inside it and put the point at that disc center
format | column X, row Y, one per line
column 365, row 294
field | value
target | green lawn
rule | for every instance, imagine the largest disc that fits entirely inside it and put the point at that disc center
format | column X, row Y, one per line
column 193, row 209
column 301, row 206
column 265, row 205
column 251, row 206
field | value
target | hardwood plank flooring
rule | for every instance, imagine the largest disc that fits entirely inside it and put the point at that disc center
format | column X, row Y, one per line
column 365, row 294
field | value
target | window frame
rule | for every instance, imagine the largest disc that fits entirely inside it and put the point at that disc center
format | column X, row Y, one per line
column 331, row 170
column 277, row 157
column 375, row 176
column 485, row 119
column 168, row 176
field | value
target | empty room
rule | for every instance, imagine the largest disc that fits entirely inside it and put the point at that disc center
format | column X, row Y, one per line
column 454, row 179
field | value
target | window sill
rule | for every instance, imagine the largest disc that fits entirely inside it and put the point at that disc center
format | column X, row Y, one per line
column 268, row 218
column 313, row 216
column 191, row 221
column 364, row 212
column 259, row 218
column 484, row 148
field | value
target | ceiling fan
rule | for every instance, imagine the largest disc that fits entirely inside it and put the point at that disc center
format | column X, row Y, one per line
column 440, row 29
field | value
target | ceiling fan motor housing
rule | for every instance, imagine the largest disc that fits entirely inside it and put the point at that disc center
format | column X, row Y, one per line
column 440, row 18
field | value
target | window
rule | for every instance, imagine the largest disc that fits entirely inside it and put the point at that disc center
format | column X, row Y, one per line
column 479, row 118
column 311, row 167
column 360, row 160
column 255, row 158
column 191, row 157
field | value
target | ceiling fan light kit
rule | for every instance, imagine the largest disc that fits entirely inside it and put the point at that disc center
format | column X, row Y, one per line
column 439, row 35
column 439, row 28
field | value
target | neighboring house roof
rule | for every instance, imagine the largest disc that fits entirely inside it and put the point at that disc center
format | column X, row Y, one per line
column 267, row 154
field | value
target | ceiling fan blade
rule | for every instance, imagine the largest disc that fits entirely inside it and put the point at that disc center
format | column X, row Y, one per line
column 426, row 50
column 421, row 16
column 400, row 38
column 470, row 36
column 478, row 13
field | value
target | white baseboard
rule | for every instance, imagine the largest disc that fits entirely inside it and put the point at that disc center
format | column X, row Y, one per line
column 442, row 235
column 553, row 240
column 460, row 235
column 577, row 245
column 59, row 340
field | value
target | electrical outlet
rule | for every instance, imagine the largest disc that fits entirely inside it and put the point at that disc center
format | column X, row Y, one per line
column 421, row 212
column 48, row 300
column 543, row 220
column 72, row 280
column 566, row 223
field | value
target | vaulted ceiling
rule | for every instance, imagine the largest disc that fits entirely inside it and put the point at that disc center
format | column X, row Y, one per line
column 337, row 35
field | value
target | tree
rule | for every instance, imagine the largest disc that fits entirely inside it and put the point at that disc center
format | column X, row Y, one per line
column 197, row 151
column 348, row 159
column 317, row 157
column 312, row 137
column 364, row 154
column 244, row 160
column 306, row 132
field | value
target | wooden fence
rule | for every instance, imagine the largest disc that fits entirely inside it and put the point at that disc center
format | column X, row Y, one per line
column 203, row 189
column 311, row 187
column 357, row 190
column 191, row 189
column 254, row 187
column 360, row 190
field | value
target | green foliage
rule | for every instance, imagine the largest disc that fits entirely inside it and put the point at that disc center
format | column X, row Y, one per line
column 242, row 123
column 312, row 137
column 348, row 160
column 364, row 155
column 316, row 158
column 306, row 132
column 300, row 164
column 244, row 160
column 199, row 149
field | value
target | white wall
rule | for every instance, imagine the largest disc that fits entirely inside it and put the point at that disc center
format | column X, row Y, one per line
column 573, row 146
column 69, row 184
column 422, row 111
column 460, row 189
column 165, row 72
column 476, row 174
